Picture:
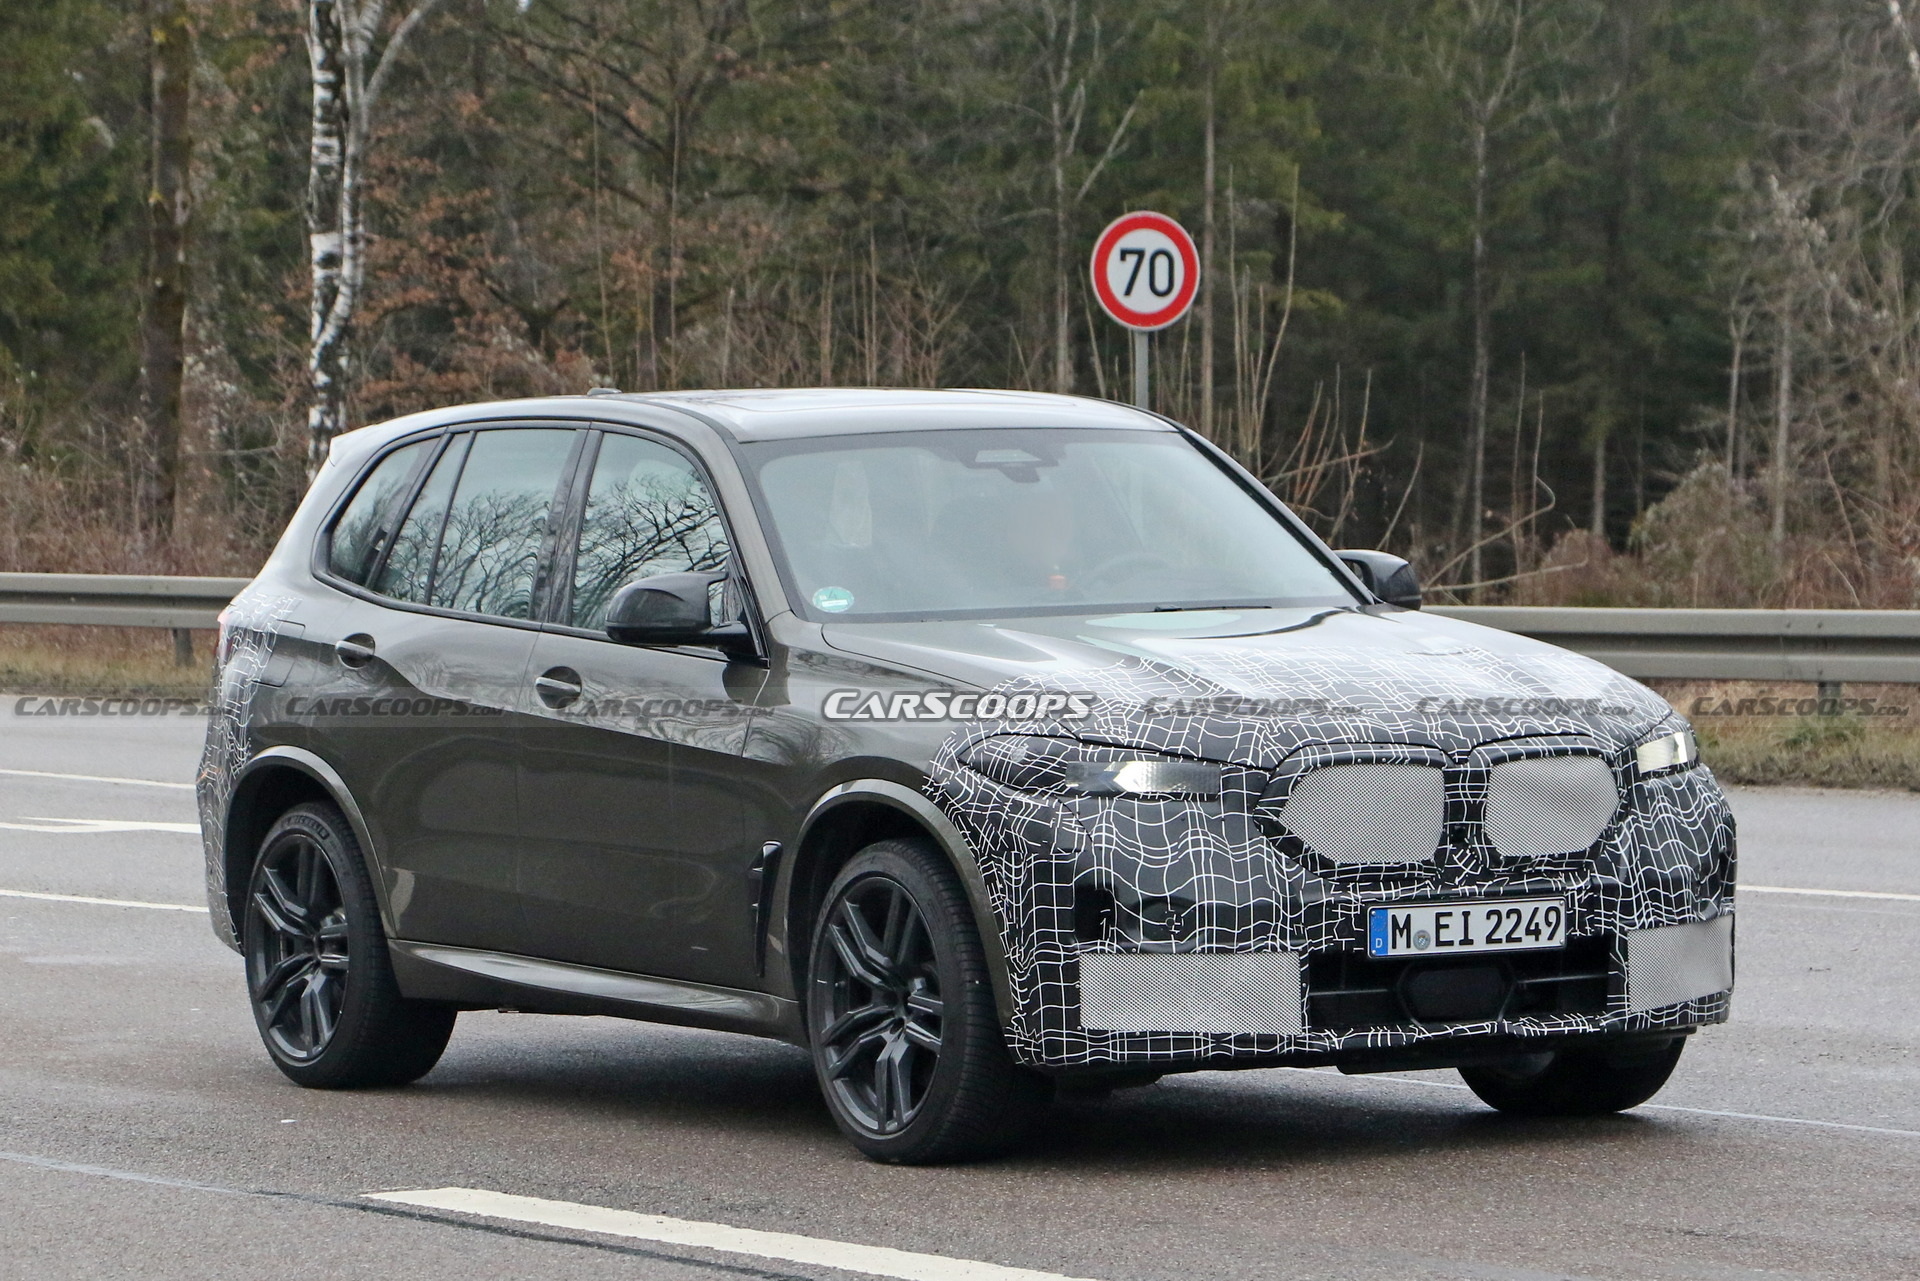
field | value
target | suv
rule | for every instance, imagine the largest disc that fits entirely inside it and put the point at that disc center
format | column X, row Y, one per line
column 983, row 744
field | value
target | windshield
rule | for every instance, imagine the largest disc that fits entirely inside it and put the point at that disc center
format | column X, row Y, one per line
column 952, row 524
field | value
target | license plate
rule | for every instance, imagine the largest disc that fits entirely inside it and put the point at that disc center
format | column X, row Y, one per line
column 1448, row 929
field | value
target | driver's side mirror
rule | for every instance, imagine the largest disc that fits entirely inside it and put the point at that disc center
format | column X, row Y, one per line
column 673, row 609
column 1386, row 576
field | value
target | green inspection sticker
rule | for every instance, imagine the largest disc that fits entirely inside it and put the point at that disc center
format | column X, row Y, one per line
column 835, row 600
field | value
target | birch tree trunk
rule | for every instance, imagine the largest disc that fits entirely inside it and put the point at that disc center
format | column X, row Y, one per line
column 163, row 316
column 347, row 80
column 332, row 220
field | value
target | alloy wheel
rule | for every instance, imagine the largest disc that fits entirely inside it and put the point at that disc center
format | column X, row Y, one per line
column 883, row 1010
column 297, row 956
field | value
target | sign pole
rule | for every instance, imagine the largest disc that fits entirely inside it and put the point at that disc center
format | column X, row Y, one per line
column 1140, row 383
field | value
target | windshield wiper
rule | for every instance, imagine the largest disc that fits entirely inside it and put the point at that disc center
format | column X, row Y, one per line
column 1182, row 609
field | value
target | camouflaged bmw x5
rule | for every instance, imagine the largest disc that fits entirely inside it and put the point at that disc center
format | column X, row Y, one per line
column 984, row 744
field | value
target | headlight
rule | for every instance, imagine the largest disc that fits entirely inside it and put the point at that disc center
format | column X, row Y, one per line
column 1034, row 763
column 1675, row 751
column 1145, row 776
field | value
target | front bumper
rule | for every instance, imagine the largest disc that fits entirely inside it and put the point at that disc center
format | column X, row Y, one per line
column 1180, row 934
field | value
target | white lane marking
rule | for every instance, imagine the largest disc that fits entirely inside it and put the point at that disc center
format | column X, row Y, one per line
column 1781, row 889
column 1670, row 1107
column 103, row 902
column 96, row 778
column 34, row 823
column 872, row 1260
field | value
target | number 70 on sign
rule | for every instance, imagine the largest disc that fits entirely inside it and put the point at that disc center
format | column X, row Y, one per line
column 1145, row 270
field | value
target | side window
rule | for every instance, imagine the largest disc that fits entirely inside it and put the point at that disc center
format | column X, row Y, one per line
column 366, row 526
column 409, row 566
column 648, row 512
column 496, row 523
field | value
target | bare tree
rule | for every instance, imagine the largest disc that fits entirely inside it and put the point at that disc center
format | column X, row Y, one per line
column 1490, row 65
column 1221, row 21
column 350, row 63
column 1073, row 50
column 163, row 316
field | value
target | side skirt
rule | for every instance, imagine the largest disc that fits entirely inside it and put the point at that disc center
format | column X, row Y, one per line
column 500, row 980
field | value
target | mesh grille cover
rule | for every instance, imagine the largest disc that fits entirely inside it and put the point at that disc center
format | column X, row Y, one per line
column 1549, row 805
column 1369, row 813
column 1223, row 993
column 1679, row 963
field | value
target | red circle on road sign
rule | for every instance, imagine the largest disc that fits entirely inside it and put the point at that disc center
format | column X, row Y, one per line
column 1145, row 270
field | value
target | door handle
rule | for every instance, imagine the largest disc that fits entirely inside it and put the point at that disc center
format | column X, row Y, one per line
column 557, row 686
column 355, row 650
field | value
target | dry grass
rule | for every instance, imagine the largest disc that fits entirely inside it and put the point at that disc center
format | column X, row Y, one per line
column 1871, row 740
column 101, row 661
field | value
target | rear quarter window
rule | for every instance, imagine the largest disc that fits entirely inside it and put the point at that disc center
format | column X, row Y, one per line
column 365, row 526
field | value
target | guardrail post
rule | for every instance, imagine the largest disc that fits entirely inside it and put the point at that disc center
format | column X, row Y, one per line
column 182, row 647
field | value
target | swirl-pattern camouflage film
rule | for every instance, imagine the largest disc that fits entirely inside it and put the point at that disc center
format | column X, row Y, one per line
column 248, row 633
column 1534, row 747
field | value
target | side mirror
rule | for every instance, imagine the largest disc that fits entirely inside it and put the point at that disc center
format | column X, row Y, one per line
column 1386, row 576
column 672, row 609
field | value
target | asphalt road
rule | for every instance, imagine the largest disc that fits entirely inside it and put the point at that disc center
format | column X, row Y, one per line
column 144, row 1134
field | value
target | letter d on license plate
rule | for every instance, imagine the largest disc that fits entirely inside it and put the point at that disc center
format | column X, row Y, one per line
column 1447, row 929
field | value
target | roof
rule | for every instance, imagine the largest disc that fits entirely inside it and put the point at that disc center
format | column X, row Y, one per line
column 782, row 414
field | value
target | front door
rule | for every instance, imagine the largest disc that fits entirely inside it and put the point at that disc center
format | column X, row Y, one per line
column 633, row 856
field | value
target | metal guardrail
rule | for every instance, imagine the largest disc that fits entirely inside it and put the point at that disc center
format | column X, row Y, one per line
column 1824, row 645
column 116, row 600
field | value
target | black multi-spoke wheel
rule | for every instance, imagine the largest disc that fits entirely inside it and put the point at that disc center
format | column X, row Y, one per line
column 883, row 1013
column 318, row 973
column 297, row 958
column 906, row 1040
column 1577, row 1082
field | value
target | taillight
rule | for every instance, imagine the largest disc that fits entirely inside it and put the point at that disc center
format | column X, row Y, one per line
column 229, row 637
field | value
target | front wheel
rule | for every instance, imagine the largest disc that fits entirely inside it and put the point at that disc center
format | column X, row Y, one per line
column 318, row 973
column 1576, row 1082
column 906, row 1040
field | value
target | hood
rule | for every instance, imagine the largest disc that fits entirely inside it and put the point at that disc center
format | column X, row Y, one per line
column 1253, row 685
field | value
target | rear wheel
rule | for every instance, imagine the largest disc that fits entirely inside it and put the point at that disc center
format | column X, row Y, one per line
column 1577, row 1082
column 318, row 973
column 906, row 1040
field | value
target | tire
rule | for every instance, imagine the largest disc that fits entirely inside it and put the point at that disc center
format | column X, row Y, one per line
column 1583, row 1082
column 318, row 974
column 906, row 1042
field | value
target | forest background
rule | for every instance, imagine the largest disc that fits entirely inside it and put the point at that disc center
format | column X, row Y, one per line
column 1570, row 301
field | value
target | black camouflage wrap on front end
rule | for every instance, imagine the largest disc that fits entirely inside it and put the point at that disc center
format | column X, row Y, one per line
column 1245, row 884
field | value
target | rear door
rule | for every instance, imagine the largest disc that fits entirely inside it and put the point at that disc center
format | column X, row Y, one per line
column 425, row 703
column 635, row 854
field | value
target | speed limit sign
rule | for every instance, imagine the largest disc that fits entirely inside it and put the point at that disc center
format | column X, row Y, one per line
column 1145, row 270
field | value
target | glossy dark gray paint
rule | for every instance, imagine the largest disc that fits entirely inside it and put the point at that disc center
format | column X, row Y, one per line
column 576, row 864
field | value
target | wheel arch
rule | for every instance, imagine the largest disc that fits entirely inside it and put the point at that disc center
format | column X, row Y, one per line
column 847, row 819
column 271, row 784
